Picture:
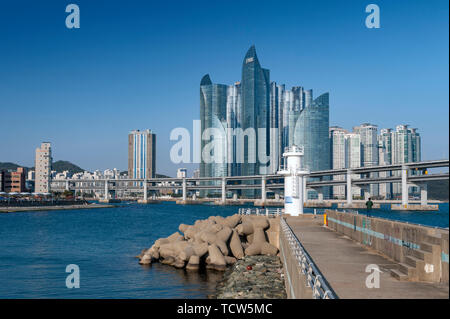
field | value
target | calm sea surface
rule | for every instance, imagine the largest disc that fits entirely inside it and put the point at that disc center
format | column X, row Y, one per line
column 36, row 247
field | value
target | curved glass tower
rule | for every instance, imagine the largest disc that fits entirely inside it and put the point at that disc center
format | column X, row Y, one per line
column 255, row 99
column 312, row 132
column 213, row 115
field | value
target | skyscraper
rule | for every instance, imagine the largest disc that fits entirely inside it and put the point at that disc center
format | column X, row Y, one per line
column 43, row 167
column 338, row 143
column 255, row 119
column 141, row 154
column 406, row 148
column 385, row 158
column 312, row 132
column 354, row 156
column 213, row 114
column 369, row 142
column 255, row 112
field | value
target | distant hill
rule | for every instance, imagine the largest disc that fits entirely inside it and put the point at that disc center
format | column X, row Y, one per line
column 61, row 166
column 5, row 166
column 58, row 166
column 438, row 190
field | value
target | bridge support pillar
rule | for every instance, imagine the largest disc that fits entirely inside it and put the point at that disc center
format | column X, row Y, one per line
column 263, row 190
column 404, row 185
column 349, row 187
column 145, row 190
column 424, row 194
column 224, row 190
column 106, row 190
column 184, row 189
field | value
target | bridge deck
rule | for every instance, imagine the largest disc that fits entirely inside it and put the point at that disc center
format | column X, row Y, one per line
column 343, row 262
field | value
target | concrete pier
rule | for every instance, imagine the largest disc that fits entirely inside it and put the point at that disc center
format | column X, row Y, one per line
column 343, row 262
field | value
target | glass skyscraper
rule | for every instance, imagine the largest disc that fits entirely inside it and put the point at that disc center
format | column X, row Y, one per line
column 312, row 132
column 276, row 117
column 213, row 117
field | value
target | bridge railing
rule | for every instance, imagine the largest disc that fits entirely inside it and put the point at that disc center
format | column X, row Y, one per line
column 269, row 212
column 314, row 278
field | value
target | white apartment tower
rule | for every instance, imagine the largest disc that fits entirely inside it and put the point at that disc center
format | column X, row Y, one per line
column 338, row 157
column 43, row 165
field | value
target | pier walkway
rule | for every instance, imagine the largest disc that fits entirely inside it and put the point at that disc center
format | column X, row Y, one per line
column 343, row 263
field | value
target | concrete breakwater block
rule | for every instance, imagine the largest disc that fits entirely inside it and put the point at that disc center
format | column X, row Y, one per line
column 215, row 243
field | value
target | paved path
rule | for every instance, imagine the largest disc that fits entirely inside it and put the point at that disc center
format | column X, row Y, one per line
column 343, row 261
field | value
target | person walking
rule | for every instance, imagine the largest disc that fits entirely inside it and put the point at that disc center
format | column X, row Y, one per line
column 369, row 205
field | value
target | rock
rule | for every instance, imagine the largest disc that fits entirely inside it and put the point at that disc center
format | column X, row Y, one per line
column 230, row 260
column 215, row 258
column 193, row 263
column 236, row 246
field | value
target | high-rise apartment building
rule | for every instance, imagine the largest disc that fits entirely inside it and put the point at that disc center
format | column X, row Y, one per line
column 406, row 148
column 141, row 154
column 338, row 143
column 43, row 166
column 369, row 143
column 385, row 158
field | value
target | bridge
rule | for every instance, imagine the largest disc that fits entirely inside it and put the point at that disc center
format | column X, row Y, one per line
column 400, row 173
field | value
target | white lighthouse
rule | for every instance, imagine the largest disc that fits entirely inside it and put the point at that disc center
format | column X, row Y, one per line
column 294, row 174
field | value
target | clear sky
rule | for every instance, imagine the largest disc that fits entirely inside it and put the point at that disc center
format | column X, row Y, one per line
column 138, row 65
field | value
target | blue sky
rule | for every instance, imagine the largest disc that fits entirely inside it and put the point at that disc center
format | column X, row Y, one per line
column 138, row 64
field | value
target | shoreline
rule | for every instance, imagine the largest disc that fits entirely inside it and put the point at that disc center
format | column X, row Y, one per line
column 48, row 208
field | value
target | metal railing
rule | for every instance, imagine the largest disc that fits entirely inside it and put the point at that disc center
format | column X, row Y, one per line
column 269, row 212
column 314, row 278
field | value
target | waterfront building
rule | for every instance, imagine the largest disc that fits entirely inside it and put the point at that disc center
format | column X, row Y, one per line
column 43, row 164
column 255, row 114
column 385, row 158
column 338, row 143
column 13, row 181
column 213, row 119
column 354, row 157
column 312, row 132
column 31, row 175
column 369, row 143
column 406, row 148
column 141, row 154
column 196, row 173
column 181, row 173
column 233, row 116
column 270, row 118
